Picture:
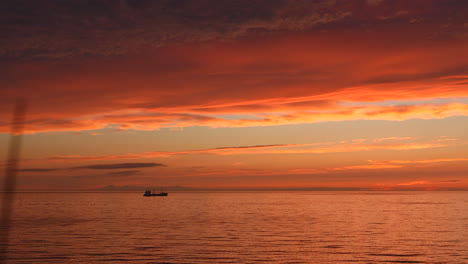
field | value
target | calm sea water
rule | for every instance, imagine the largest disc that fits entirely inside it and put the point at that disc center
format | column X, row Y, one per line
column 241, row 227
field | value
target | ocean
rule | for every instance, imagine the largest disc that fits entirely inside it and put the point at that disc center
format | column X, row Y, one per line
column 240, row 227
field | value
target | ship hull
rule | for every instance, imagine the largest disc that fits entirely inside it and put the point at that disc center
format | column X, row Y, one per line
column 155, row 194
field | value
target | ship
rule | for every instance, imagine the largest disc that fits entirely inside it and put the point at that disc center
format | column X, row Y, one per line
column 148, row 192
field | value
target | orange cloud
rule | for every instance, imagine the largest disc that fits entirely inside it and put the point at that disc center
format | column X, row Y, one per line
column 414, row 183
column 423, row 185
column 369, row 167
column 309, row 148
column 142, row 120
column 395, row 164
column 288, row 79
column 382, row 162
column 392, row 139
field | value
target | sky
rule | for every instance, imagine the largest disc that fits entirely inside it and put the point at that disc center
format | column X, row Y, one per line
column 257, row 94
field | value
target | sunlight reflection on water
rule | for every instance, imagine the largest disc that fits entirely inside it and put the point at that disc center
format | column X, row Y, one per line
column 241, row 227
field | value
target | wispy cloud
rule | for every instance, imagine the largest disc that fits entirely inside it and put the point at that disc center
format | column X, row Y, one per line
column 368, row 167
column 306, row 148
column 426, row 182
column 113, row 166
column 392, row 139
column 123, row 173
column 395, row 164
column 383, row 162
column 114, row 174
column 423, row 185
column 37, row 170
column 143, row 119
column 448, row 181
column 414, row 183
column 120, row 166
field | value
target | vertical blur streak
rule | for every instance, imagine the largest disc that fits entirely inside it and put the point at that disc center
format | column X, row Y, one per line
column 9, row 186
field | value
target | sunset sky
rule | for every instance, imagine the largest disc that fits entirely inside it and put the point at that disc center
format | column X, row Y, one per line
column 122, row 95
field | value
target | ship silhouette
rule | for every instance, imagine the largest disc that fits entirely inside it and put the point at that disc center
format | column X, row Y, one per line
column 148, row 192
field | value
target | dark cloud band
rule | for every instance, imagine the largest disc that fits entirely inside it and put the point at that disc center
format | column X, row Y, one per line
column 120, row 166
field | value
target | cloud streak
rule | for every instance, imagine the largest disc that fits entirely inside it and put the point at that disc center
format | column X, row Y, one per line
column 113, row 166
column 361, row 145
column 123, row 173
column 142, row 120
column 37, row 170
column 396, row 164
column 383, row 162
column 120, row 166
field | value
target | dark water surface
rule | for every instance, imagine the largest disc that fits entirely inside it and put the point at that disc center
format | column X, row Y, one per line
column 241, row 227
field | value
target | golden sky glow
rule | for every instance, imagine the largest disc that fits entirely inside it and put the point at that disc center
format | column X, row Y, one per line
column 281, row 94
